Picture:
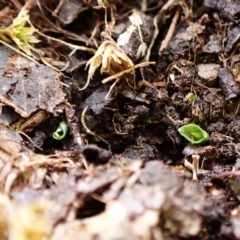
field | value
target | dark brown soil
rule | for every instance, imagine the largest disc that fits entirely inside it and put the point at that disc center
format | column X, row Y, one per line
column 123, row 171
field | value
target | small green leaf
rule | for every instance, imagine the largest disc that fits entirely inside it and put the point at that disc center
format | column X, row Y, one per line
column 190, row 97
column 194, row 134
column 149, row 121
column 96, row 139
column 61, row 131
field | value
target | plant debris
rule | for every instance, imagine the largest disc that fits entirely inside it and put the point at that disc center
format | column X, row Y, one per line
column 144, row 98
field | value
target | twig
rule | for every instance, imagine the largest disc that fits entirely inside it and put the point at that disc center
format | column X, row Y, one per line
column 229, row 174
column 89, row 131
column 17, row 4
column 18, row 51
column 171, row 29
column 34, row 144
column 94, row 33
column 111, row 89
column 82, row 48
column 119, row 74
column 70, row 34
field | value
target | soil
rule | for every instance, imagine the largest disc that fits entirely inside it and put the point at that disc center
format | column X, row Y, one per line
column 121, row 77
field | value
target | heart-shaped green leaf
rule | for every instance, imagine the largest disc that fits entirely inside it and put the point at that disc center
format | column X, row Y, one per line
column 194, row 134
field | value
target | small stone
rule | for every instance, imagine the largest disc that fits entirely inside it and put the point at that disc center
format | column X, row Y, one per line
column 208, row 72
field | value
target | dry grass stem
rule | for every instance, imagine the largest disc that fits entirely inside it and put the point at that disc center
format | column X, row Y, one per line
column 89, row 131
column 129, row 70
column 172, row 27
column 18, row 51
column 73, row 46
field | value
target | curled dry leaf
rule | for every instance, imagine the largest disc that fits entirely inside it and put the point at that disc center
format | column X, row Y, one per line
column 103, row 3
column 111, row 57
column 135, row 18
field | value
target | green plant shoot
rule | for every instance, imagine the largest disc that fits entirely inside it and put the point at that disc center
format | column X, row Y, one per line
column 194, row 134
column 190, row 97
column 61, row 131
column 148, row 121
column 96, row 139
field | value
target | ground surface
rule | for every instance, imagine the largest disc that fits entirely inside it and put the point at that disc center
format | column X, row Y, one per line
column 124, row 76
